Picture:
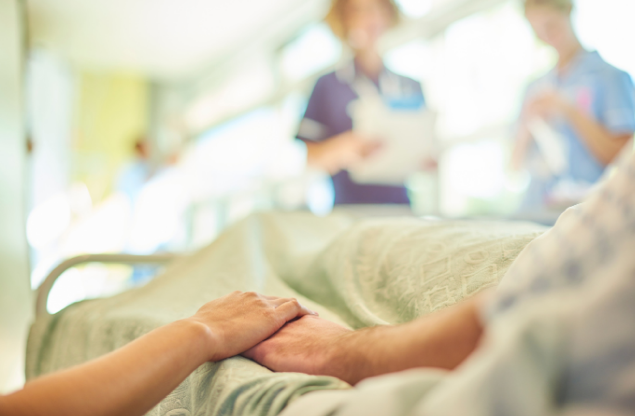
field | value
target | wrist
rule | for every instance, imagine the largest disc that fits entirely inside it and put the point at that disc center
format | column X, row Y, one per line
column 353, row 357
column 322, row 155
column 200, row 337
column 315, row 154
column 341, row 360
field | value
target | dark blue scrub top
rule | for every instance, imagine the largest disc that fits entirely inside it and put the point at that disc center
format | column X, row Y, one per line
column 326, row 116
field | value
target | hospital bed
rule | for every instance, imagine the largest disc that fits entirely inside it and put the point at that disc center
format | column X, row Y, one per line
column 44, row 289
column 357, row 272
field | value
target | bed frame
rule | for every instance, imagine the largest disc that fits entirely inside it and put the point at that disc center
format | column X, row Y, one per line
column 44, row 289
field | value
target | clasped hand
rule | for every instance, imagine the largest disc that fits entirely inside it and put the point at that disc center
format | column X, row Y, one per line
column 309, row 345
column 238, row 321
column 278, row 333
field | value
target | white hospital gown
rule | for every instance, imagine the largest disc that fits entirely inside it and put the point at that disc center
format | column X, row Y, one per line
column 561, row 330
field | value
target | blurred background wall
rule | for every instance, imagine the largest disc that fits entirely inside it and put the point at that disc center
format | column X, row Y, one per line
column 111, row 111
column 15, row 296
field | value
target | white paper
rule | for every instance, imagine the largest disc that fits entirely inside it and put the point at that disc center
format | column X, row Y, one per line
column 406, row 136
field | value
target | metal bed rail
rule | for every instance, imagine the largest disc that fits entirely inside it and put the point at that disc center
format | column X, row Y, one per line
column 45, row 288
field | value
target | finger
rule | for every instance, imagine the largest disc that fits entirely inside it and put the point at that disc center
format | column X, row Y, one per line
column 293, row 309
column 279, row 301
column 270, row 297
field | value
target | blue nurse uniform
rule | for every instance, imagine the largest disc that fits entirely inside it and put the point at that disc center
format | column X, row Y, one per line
column 603, row 92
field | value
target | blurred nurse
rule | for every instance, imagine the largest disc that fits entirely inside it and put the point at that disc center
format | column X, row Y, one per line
column 327, row 126
column 587, row 105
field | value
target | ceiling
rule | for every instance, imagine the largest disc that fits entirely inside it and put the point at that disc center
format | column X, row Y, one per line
column 164, row 39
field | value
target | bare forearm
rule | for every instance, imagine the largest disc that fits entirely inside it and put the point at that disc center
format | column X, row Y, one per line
column 339, row 152
column 604, row 145
column 129, row 381
column 523, row 138
column 315, row 155
column 440, row 340
column 133, row 379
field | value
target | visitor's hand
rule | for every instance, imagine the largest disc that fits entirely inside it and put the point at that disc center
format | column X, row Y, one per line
column 341, row 151
column 546, row 105
column 308, row 345
column 239, row 321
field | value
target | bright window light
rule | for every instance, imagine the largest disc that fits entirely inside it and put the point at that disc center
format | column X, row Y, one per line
column 159, row 212
column 474, row 76
column 607, row 26
column 245, row 88
column 320, row 195
column 88, row 282
column 415, row 8
column 79, row 199
column 103, row 231
column 68, row 288
column 411, row 59
column 48, row 221
column 315, row 49
column 481, row 173
column 255, row 148
column 486, row 62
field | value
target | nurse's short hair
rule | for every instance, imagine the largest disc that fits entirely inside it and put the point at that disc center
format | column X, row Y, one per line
column 560, row 5
column 335, row 16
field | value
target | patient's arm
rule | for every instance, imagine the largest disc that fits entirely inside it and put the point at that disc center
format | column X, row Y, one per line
column 133, row 379
column 316, row 346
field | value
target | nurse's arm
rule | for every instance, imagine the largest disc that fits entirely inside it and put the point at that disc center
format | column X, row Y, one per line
column 135, row 378
column 339, row 152
column 521, row 146
column 604, row 144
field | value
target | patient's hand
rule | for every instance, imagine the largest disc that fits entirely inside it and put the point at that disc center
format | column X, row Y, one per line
column 315, row 346
column 238, row 321
column 306, row 345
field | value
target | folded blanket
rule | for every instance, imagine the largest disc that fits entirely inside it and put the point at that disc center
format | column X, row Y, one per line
column 357, row 273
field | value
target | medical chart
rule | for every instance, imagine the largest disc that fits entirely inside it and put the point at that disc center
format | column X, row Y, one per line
column 406, row 138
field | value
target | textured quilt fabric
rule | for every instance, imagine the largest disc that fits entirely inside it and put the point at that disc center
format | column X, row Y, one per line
column 560, row 338
column 356, row 272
